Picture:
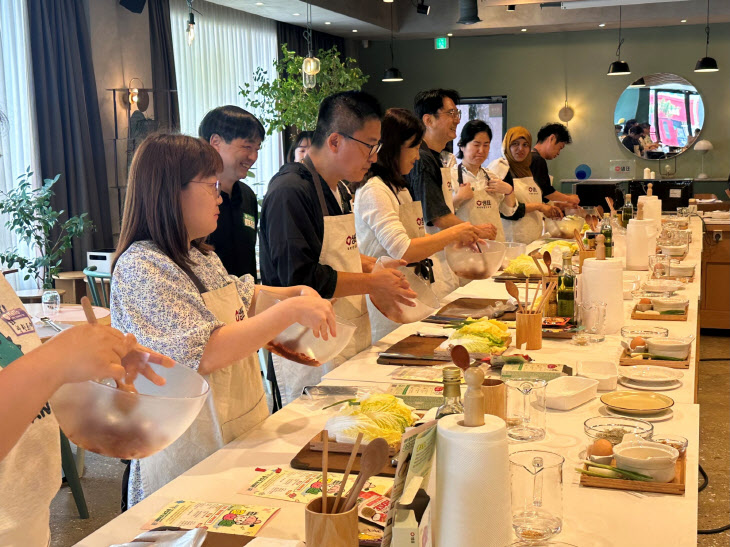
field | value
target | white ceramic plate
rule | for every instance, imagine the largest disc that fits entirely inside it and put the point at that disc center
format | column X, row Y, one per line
column 648, row 374
column 662, row 416
column 667, row 386
column 638, row 404
column 662, row 285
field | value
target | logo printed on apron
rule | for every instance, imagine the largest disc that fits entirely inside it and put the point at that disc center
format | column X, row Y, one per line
column 249, row 221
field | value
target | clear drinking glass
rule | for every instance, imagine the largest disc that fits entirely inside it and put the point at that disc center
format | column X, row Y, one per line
column 592, row 319
column 659, row 266
column 526, row 409
column 51, row 301
column 536, row 480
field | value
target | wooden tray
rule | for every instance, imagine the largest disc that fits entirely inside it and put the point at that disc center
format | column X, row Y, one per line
column 212, row 539
column 317, row 445
column 418, row 346
column 682, row 278
column 475, row 306
column 676, row 487
column 311, row 460
column 654, row 317
column 626, row 361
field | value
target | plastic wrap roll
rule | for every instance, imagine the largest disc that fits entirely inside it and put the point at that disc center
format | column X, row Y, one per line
column 602, row 281
column 639, row 244
column 652, row 209
column 472, row 506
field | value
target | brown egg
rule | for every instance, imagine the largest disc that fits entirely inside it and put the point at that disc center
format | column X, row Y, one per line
column 637, row 342
column 644, row 301
column 601, row 447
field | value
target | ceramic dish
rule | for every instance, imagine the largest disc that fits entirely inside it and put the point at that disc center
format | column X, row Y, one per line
column 663, row 285
column 654, row 459
column 568, row 392
column 613, row 428
column 670, row 347
column 629, row 332
column 673, row 250
column 662, row 416
column 668, row 303
column 605, row 372
column 649, row 374
column 668, row 386
column 630, row 402
column 681, row 269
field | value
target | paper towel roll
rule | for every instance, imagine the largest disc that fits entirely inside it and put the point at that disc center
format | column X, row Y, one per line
column 603, row 281
column 652, row 209
column 472, row 507
column 640, row 243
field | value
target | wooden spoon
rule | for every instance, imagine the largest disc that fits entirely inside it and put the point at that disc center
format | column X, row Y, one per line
column 548, row 260
column 579, row 240
column 514, row 293
column 609, row 201
column 373, row 459
column 460, row 357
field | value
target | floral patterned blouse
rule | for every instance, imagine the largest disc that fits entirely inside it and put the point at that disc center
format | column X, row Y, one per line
column 154, row 299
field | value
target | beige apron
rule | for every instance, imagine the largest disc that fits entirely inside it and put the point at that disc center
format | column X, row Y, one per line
column 235, row 404
column 528, row 228
column 445, row 280
column 410, row 214
column 340, row 252
column 483, row 208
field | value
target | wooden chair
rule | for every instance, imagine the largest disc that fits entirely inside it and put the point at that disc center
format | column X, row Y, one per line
column 71, row 473
column 99, row 286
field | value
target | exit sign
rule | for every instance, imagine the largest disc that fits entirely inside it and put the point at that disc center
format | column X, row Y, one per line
column 442, row 42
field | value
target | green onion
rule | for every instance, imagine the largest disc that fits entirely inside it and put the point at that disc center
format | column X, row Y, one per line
column 630, row 474
column 352, row 402
column 600, row 473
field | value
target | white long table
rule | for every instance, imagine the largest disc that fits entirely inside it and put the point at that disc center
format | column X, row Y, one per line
column 595, row 517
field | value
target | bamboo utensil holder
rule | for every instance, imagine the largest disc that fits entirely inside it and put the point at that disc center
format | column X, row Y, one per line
column 495, row 397
column 582, row 255
column 330, row 529
column 529, row 330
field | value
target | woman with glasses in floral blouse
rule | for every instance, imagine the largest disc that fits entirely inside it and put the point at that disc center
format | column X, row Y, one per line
column 172, row 292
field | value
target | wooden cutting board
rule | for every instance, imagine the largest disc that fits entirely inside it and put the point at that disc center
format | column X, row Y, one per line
column 461, row 308
column 311, row 460
column 418, row 346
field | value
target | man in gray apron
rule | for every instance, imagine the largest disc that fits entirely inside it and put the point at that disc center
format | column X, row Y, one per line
column 430, row 181
column 308, row 229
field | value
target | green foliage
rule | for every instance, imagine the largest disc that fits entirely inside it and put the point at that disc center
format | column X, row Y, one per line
column 33, row 219
column 284, row 101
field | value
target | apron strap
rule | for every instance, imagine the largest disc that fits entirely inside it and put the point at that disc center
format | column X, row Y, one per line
column 195, row 279
column 318, row 185
column 460, row 176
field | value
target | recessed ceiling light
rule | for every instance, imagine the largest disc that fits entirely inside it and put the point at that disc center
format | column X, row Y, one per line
column 523, row 30
column 327, row 23
column 354, row 30
column 259, row 3
column 450, row 34
column 296, row 14
column 683, row 21
column 602, row 25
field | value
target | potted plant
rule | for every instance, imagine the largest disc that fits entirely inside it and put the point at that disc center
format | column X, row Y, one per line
column 35, row 222
column 285, row 102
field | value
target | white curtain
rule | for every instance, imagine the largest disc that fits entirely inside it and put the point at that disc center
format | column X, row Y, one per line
column 229, row 45
column 17, row 137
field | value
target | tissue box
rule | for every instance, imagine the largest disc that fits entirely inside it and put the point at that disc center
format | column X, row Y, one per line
column 101, row 259
column 412, row 523
column 536, row 371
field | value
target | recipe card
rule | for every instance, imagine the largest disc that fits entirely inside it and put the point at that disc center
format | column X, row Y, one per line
column 224, row 518
column 304, row 486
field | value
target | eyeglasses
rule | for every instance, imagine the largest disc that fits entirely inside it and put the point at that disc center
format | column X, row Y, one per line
column 374, row 148
column 454, row 113
column 216, row 185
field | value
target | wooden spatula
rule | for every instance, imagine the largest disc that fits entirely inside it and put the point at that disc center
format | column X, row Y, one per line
column 373, row 459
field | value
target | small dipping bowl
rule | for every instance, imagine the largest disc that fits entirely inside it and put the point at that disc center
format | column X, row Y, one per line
column 613, row 428
column 675, row 441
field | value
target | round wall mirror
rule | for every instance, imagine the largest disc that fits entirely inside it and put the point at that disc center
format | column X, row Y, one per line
column 658, row 116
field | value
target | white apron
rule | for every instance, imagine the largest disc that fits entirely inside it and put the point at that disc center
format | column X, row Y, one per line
column 235, row 404
column 340, row 252
column 445, row 280
column 528, row 228
column 410, row 215
column 483, row 208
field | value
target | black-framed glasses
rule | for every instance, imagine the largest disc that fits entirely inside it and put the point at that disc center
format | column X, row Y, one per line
column 454, row 113
column 374, row 148
column 216, row 185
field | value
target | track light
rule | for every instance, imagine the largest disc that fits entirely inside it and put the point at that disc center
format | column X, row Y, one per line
column 511, row 7
column 422, row 8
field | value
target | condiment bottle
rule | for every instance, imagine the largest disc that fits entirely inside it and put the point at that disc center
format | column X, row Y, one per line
column 566, row 288
column 627, row 211
column 452, row 393
column 607, row 233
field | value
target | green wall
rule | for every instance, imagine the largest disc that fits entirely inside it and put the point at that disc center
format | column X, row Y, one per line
column 532, row 70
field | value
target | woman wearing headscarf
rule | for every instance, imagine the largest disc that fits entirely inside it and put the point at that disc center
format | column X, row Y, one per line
column 525, row 225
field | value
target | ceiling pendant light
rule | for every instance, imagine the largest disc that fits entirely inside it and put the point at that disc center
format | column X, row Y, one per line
column 392, row 74
column 707, row 64
column 639, row 83
column 310, row 65
column 619, row 67
column 191, row 23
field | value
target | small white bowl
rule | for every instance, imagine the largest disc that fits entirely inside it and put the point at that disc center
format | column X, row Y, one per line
column 673, row 250
column 682, row 269
column 669, row 347
column 605, row 372
column 568, row 392
column 669, row 303
column 663, row 285
column 656, row 460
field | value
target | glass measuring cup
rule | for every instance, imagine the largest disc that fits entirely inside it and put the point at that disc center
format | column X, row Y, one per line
column 526, row 409
column 536, row 480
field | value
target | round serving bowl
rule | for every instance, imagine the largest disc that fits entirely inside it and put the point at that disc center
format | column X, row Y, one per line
column 103, row 419
column 477, row 261
column 568, row 224
column 613, row 428
column 669, row 303
column 297, row 342
column 673, row 250
column 670, row 347
column 426, row 302
column 512, row 250
column 630, row 332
